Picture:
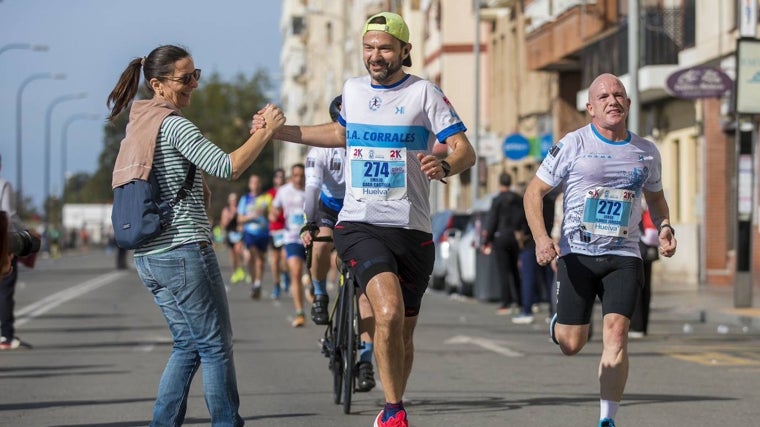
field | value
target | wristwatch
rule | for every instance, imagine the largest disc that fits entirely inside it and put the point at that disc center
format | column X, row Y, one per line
column 672, row 230
column 446, row 168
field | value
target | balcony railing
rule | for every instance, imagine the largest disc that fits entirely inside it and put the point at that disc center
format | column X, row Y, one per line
column 540, row 12
column 664, row 32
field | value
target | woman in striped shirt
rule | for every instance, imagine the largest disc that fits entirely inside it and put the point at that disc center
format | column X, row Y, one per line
column 179, row 266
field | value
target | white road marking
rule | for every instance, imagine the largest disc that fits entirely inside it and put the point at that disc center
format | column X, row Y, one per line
column 491, row 345
column 46, row 304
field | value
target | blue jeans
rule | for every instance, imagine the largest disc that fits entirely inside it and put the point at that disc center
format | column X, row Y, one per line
column 532, row 276
column 188, row 288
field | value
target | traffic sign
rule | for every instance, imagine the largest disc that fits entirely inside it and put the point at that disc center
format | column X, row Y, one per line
column 515, row 146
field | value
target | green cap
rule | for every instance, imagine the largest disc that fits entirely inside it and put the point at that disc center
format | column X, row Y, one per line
column 394, row 25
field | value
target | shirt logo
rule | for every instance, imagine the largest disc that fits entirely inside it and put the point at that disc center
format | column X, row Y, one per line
column 555, row 150
column 336, row 164
column 375, row 103
column 400, row 110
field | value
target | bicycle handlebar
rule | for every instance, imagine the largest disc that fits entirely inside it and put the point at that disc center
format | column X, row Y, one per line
column 312, row 229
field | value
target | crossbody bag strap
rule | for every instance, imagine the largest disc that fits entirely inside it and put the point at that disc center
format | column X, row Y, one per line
column 186, row 186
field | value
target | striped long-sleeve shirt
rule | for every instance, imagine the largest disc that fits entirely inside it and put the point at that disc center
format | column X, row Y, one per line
column 180, row 143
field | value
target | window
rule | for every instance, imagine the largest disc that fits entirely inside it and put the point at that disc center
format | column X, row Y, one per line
column 297, row 25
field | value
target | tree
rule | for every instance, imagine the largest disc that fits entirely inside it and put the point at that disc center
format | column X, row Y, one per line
column 28, row 211
column 221, row 110
column 76, row 188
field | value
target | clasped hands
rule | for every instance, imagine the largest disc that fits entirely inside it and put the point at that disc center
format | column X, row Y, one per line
column 270, row 117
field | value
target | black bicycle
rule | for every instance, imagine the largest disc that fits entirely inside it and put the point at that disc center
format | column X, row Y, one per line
column 341, row 342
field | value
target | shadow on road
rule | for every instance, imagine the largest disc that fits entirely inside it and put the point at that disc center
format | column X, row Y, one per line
column 484, row 404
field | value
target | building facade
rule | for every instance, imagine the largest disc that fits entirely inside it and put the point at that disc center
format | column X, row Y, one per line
column 528, row 88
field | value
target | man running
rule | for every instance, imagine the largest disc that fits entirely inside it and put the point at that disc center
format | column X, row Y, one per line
column 604, row 170
column 252, row 213
column 289, row 202
column 397, row 128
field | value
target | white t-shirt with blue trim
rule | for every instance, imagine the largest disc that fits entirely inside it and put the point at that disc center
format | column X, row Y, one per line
column 325, row 171
column 291, row 200
column 602, row 183
column 386, row 126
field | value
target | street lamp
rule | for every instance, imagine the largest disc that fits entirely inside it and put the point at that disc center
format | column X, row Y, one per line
column 5, row 48
column 64, row 145
column 26, row 46
column 19, row 175
column 48, row 115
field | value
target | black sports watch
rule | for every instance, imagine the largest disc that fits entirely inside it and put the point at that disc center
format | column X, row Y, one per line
column 446, row 168
column 672, row 230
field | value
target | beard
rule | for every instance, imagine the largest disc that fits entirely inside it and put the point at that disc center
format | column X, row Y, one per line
column 383, row 76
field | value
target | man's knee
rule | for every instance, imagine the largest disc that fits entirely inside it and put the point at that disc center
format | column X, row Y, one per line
column 388, row 316
column 572, row 338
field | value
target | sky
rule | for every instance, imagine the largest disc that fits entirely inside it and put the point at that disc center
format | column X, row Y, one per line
column 91, row 42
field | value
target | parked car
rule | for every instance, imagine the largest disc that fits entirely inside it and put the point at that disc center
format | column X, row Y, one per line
column 443, row 223
column 461, row 270
column 463, row 246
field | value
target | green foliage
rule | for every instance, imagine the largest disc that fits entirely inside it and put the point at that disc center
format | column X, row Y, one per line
column 54, row 209
column 27, row 210
column 76, row 188
column 221, row 110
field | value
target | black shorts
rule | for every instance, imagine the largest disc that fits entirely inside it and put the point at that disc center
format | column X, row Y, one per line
column 616, row 279
column 325, row 217
column 370, row 250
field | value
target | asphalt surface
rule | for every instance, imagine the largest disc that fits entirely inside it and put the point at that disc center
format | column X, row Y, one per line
column 100, row 345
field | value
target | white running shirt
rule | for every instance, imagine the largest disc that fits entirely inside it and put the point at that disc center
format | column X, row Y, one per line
column 290, row 200
column 386, row 126
column 602, row 183
column 325, row 174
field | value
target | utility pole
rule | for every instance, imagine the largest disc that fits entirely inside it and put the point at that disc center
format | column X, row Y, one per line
column 476, row 137
column 633, row 65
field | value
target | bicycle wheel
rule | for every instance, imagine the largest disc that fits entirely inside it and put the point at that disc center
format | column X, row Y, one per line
column 349, row 353
column 337, row 361
column 336, row 366
column 332, row 352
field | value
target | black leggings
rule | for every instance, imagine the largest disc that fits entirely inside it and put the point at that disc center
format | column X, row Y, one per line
column 7, row 303
column 507, row 253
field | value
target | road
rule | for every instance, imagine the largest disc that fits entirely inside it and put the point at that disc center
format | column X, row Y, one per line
column 100, row 345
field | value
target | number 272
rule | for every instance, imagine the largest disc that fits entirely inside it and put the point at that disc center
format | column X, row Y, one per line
column 607, row 207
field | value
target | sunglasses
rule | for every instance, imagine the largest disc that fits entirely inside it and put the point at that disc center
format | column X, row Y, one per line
column 186, row 78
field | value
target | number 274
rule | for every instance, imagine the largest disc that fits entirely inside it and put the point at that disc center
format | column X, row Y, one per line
column 374, row 169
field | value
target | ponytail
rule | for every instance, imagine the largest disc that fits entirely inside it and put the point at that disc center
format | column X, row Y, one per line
column 125, row 89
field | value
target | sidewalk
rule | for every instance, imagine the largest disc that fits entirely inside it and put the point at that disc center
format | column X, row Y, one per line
column 710, row 305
